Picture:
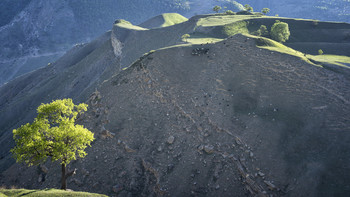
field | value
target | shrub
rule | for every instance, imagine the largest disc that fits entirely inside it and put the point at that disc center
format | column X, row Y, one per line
column 229, row 12
column 280, row 31
column 216, row 8
column 244, row 12
column 320, row 52
column 185, row 37
column 265, row 10
column 262, row 31
column 248, row 8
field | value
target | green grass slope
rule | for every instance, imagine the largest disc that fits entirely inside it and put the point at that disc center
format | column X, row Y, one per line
column 164, row 20
column 46, row 193
column 343, row 61
column 307, row 36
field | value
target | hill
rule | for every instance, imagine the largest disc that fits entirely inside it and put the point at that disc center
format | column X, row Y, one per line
column 34, row 33
column 234, row 114
column 164, row 20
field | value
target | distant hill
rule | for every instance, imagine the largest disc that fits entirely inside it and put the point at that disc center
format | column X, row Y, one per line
column 34, row 33
column 37, row 32
column 222, row 112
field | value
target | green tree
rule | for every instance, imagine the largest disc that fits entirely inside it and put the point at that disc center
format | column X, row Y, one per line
column 185, row 36
column 262, row 31
column 53, row 134
column 216, row 8
column 320, row 51
column 265, row 10
column 280, row 31
column 248, row 8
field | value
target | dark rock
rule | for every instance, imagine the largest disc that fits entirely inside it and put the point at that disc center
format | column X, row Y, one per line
column 209, row 149
column 170, row 140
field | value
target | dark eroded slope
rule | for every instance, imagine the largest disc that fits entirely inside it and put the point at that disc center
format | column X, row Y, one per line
column 237, row 121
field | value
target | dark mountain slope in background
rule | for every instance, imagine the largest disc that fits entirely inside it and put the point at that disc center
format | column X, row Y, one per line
column 44, row 30
column 10, row 8
column 34, row 33
column 237, row 120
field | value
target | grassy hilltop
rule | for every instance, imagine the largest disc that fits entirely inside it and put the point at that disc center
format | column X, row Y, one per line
column 307, row 36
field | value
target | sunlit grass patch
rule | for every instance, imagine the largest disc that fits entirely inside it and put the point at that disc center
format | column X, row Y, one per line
column 126, row 24
column 45, row 193
column 173, row 19
column 201, row 39
column 339, row 60
column 223, row 20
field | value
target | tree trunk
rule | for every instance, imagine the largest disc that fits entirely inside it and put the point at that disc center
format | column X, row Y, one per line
column 64, row 178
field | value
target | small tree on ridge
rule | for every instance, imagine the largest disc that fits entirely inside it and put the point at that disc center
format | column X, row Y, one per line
column 265, row 10
column 248, row 8
column 185, row 37
column 216, row 8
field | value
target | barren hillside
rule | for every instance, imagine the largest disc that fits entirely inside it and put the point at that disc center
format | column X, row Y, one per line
column 220, row 118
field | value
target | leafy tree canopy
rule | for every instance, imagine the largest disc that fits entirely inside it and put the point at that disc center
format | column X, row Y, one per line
column 280, row 31
column 320, row 52
column 265, row 10
column 216, row 8
column 52, row 134
column 248, row 8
